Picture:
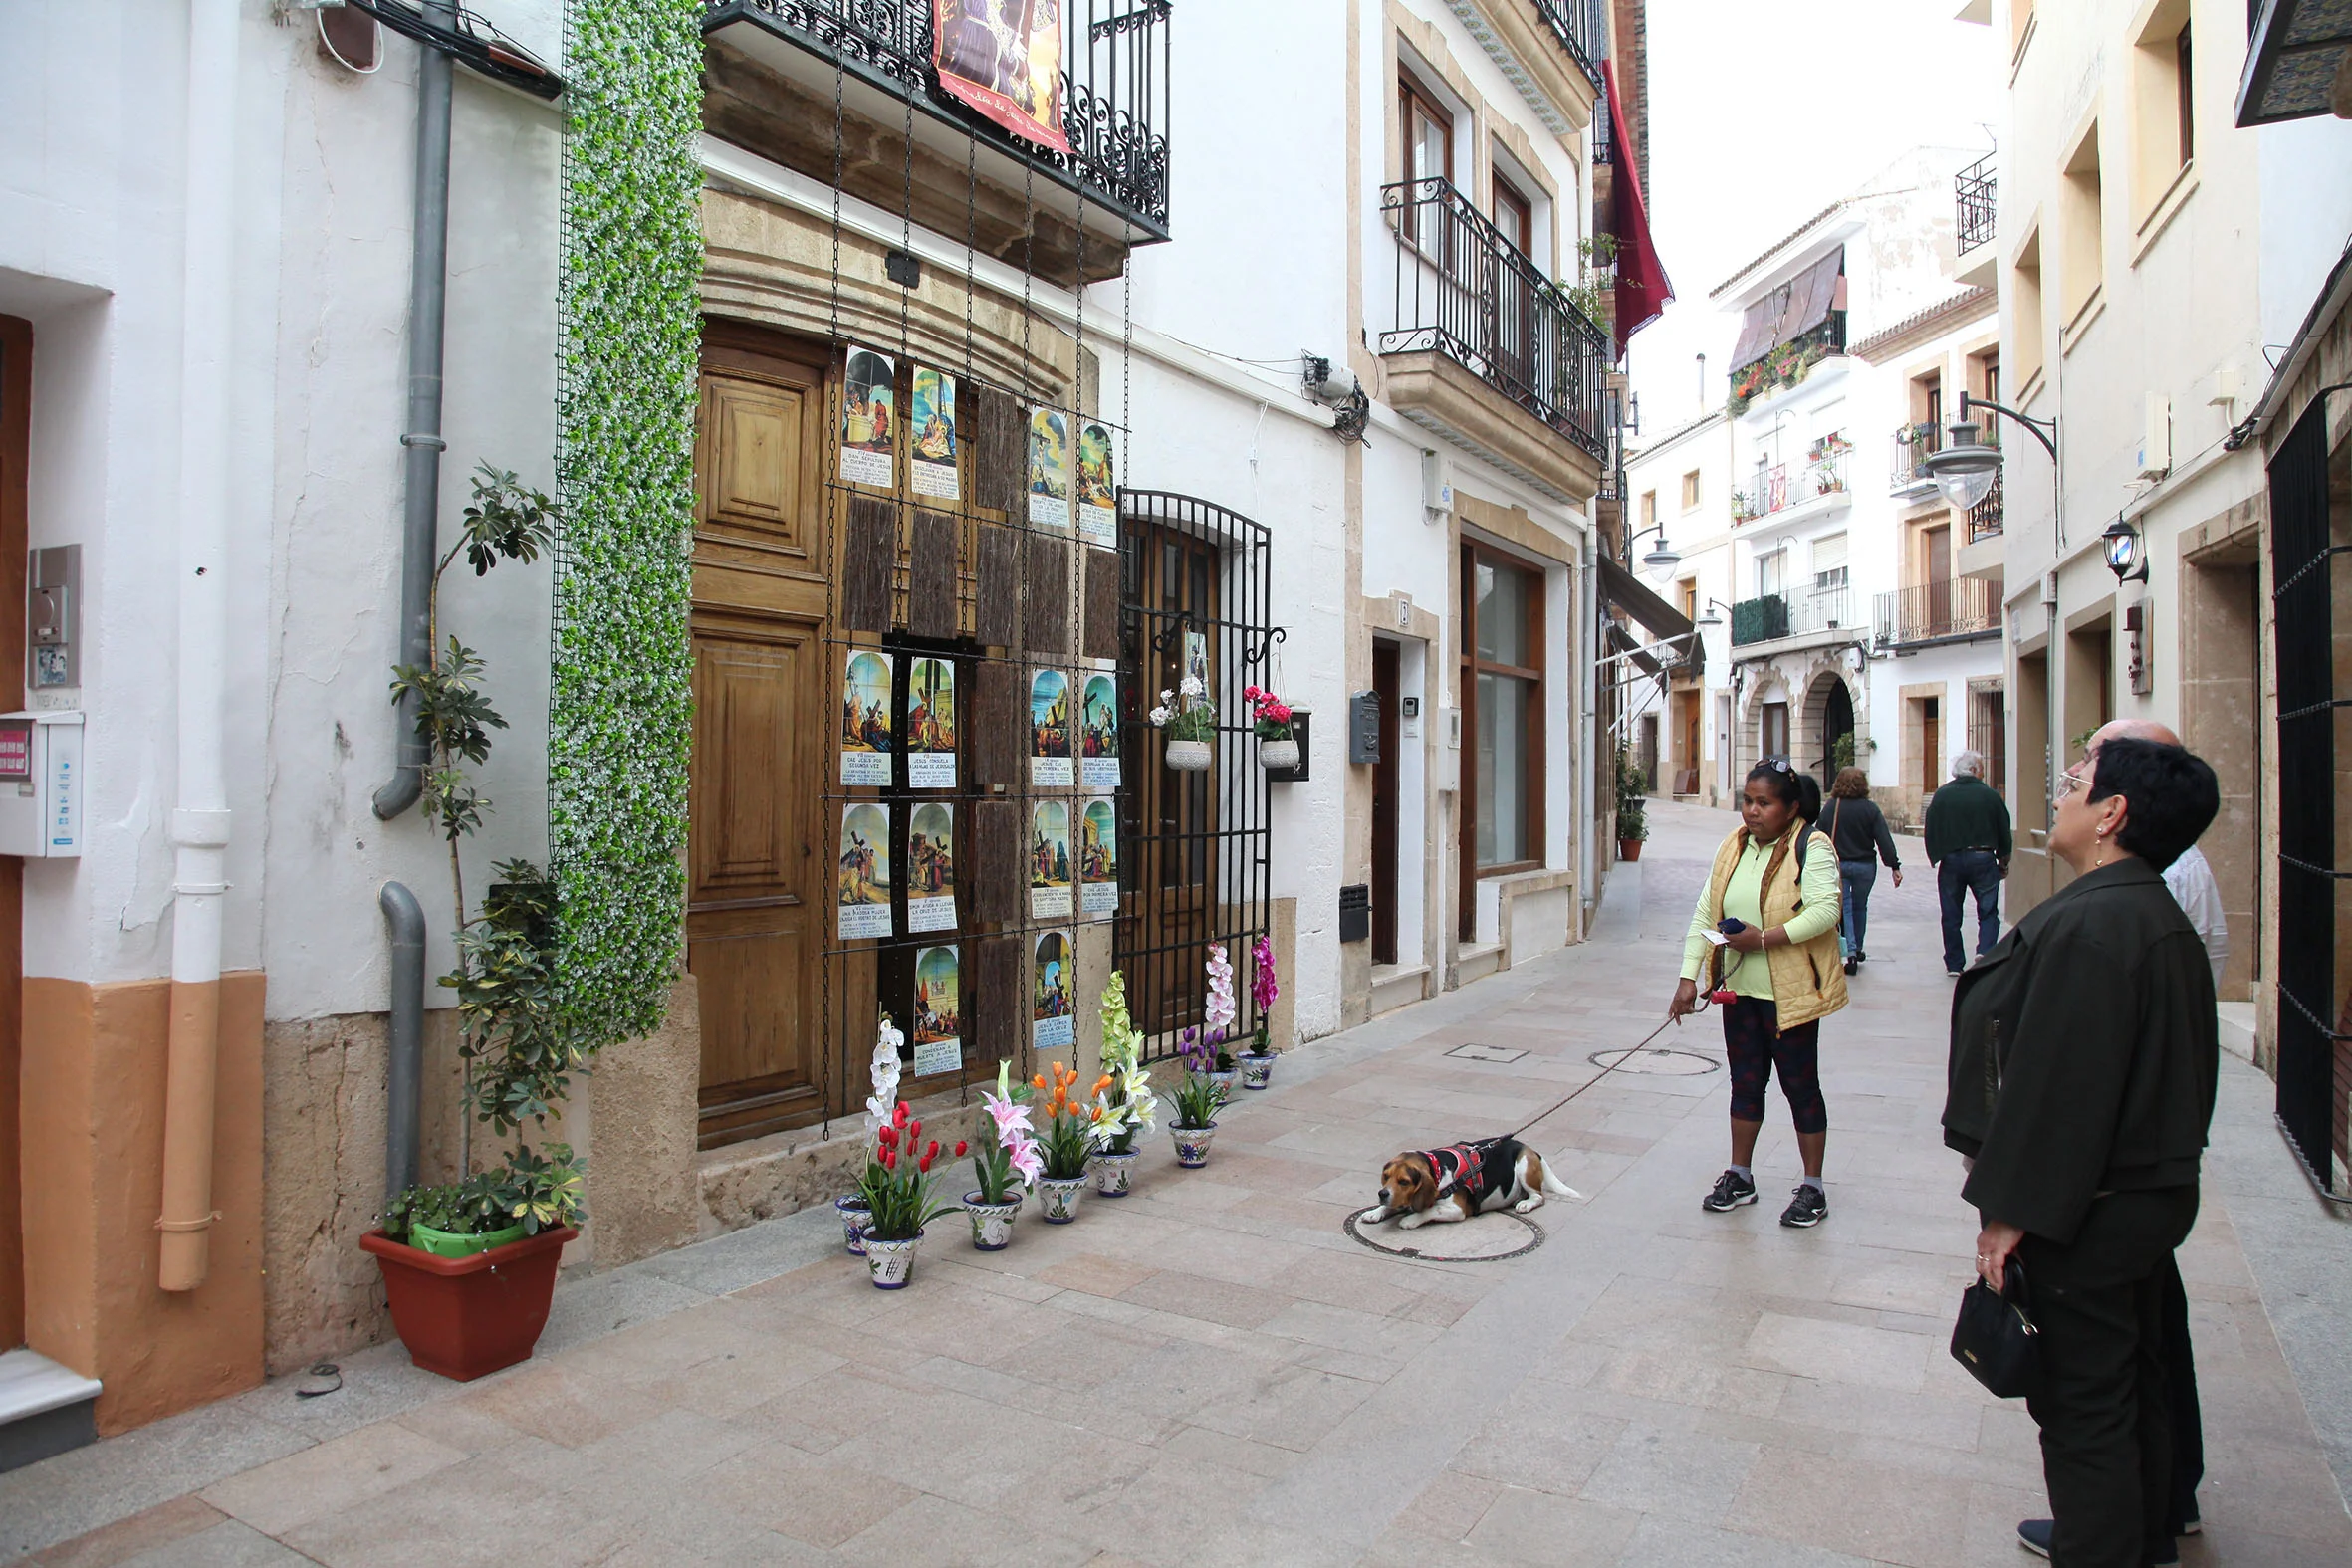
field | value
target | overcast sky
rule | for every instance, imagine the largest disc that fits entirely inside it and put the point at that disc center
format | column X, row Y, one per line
column 1762, row 113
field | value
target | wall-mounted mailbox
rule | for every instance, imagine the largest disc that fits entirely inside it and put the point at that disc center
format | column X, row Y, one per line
column 1355, row 913
column 41, row 785
column 1302, row 731
column 53, row 615
column 1363, row 727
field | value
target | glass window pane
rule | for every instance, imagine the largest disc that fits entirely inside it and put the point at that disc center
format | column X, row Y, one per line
column 1502, row 615
column 1502, row 712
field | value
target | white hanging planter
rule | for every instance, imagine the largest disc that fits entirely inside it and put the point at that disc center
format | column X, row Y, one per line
column 1190, row 757
column 1277, row 755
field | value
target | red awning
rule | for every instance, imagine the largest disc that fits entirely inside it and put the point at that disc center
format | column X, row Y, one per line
column 1643, row 290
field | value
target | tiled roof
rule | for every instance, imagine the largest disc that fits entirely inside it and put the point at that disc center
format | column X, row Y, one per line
column 1813, row 222
column 1964, row 303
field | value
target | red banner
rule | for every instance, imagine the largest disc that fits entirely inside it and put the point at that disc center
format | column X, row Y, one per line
column 1643, row 291
column 1004, row 58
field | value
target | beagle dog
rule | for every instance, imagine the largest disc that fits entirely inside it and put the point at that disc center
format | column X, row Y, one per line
column 1440, row 1186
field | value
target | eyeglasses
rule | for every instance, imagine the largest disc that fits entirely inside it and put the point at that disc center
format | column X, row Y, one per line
column 1778, row 765
column 2071, row 781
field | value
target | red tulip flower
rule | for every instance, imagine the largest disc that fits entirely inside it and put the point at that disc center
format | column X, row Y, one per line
column 899, row 1114
column 924, row 1164
column 931, row 1153
column 961, row 1146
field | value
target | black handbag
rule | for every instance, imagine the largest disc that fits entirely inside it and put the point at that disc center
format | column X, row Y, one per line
column 1995, row 1337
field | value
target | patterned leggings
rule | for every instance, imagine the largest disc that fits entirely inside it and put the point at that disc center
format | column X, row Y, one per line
column 1753, row 1047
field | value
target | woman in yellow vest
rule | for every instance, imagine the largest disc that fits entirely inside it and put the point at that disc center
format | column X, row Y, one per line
column 1774, row 900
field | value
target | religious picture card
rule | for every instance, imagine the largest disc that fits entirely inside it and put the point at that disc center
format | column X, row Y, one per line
column 869, row 421
column 1049, row 860
column 1049, row 730
column 866, row 740
column 939, row 1012
column 931, row 867
column 1099, row 487
column 1053, row 1012
column 931, row 415
column 1098, row 733
column 1049, row 470
column 931, row 724
column 1098, row 860
column 865, row 896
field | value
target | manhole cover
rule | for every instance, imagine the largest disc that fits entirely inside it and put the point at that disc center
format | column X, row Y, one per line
column 1657, row 1059
column 1486, row 1053
column 1483, row 1239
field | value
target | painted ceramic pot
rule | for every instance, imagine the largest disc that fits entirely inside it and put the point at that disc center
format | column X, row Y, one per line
column 1192, row 1145
column 992, row 1223
column 853, row 1215
column 1057, row 1198
column 1277, row 755
column 1256, row 1070
column 1115, row 1174
column 1190, row 757
column 891, row 1264
column 1225, row 1081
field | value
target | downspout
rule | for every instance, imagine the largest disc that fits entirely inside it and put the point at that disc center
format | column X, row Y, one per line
column 428, row 292
column 200, row 817
column 404, row 919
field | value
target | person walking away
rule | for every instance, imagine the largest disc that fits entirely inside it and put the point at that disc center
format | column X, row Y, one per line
column 1858, row 828
column 1775, row 880
column 1967, row 834
column 2083, row 1070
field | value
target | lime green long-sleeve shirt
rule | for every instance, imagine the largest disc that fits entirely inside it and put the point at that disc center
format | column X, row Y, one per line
column 1743, row 900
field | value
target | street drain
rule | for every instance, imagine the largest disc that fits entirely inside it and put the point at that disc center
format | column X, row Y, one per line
column 1486, row 1239
column 1657, row 1060
column 1486, row 1053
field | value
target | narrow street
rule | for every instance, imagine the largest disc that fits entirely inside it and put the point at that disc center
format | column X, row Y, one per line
column 1212, row 1371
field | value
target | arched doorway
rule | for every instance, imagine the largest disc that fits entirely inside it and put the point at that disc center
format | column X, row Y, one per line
column 1832, row 707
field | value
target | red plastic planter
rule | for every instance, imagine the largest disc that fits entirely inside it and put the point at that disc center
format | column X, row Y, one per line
column 465, row 1317
column 1629, row 848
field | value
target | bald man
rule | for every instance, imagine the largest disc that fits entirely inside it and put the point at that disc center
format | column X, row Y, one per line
column 2189, row 878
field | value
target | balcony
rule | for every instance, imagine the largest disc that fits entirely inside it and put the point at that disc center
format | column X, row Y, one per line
column 1786, row 488
column 1583, row 28
column 1985, row 516
column 1973, row 189
column 1771, row 617
column 1955, row 611
column 1907, row 473
column 1486, row 351
column 777, row 71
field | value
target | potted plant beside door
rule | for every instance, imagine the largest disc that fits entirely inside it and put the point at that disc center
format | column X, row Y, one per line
column 1633, row 823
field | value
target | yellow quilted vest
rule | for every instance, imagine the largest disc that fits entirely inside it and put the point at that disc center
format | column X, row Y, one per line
column 1808, row 979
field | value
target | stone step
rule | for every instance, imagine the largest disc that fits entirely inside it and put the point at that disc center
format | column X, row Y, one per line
column 45, row 1409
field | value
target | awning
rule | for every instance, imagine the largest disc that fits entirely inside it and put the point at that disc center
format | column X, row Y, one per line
column 1792, row 310
column 1620, row 643
column 1642, row 290
column 2294, row 61
column 1623, row 589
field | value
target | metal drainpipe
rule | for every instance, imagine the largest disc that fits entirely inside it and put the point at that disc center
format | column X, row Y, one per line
column 404, row 919
column 428, row 294
column 201, row 816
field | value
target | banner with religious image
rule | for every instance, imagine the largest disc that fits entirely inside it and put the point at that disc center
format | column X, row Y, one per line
column 1049, row 860
column 869, row 418
column 1004, row 58
column 931, row 724
column 1099, row 487
column 1098, row 860
column 1052, row 1008
column 931, row 453
column 864, row 879
column 1098, row 733
column 1049, row 730
column 939, row 1012
column 866, row 739
column 1049, row 470
column 931, row 867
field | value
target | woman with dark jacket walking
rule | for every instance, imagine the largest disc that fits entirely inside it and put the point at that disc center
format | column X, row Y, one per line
column 1858, row 828
column 1772, row 902
column 2081, row 1081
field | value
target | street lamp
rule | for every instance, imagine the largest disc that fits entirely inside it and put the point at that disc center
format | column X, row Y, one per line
column 2123, row 553
column 1965, row 468
column 1660, row 558
column 1708, row 616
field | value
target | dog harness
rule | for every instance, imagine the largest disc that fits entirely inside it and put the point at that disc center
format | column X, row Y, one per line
column 1476, row 1169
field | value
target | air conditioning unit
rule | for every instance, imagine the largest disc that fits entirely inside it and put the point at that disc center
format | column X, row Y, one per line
column 1437, row 484
column 2155, row 457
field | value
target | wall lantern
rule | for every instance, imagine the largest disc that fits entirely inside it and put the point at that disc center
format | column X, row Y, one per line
column 2124, row 556
column 1965, row 469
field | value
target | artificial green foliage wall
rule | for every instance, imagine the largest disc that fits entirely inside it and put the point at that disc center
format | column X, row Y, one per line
column 621, row 701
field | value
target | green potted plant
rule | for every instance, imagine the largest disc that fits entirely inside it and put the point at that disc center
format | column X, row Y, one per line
column 1633, row 824
column 1197, row 1100
column 1011, row 1152
column 1189, row 720
column 1124, row 1105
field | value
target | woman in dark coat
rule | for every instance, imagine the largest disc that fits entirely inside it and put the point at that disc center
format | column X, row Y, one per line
column 2081, row 1081
column 1855, row 824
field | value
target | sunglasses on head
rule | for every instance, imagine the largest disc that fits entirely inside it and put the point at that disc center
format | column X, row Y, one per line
column 1778, row 765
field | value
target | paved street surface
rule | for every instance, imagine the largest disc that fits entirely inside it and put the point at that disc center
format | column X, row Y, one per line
column 1212, row 1371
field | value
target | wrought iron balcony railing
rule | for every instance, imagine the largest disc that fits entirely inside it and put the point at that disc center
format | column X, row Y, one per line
column 1780, row 487
column 1465, row 291
column 1985, row 516
column 1114, row 79
column 1974, row 188
column 1934, row 612
column 1771, row 617
column 1582, row 27
column 1913, row 447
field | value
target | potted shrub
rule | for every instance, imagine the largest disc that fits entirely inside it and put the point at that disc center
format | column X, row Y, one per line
column 1257, row 1063
column 1189, row 720
column 1197, row 1100
column 1277, row 747
column 1633, row 824
column 1124, row 1105
column 899, row 1198
column 1064, row 1145
column 1012, row 1151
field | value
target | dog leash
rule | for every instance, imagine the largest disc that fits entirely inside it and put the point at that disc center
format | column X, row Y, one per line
column 1706, row 1000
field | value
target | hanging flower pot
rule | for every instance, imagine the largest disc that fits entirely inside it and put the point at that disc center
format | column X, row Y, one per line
column 1277, row 757
column 1190, row 757
column 1057, row 1198
column 1115, row 1174
column 1257, row 1068
column 992, row 1223
column 891, row 1264
column 854, row 1216
column 1192, row 1145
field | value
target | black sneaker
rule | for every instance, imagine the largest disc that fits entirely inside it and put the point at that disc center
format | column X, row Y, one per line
column 1809, row 1206
column 1730, row 1191
column 2034, row 1536
column 1852, row 963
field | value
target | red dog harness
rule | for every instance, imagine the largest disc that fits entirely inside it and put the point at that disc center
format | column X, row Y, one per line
column 1466, row 1166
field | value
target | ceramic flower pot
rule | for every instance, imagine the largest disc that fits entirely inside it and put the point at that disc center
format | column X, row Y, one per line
column 1192, row 1145
column 1115, row 1174
column 1256, row 1068
column 1225, row 1082
column 464, row 1317
column 1277, row 755
column 992, row 1223
column 1190, row 757
column 1057, row 1198
column 853, row 1215
column 891, row 1264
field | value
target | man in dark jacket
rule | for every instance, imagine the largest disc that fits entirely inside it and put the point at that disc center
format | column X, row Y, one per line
column 1968, row 833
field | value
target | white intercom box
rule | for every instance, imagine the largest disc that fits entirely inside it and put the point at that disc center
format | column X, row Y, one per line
column 41, row 785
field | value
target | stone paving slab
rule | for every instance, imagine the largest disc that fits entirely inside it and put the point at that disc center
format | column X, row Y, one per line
column 1212, row 1371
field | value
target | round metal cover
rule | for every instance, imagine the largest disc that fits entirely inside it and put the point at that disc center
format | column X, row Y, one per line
column 1485, row 1239
column 1656, row 1060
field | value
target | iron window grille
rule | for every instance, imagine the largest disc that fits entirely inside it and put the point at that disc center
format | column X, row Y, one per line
column 1973, row 191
